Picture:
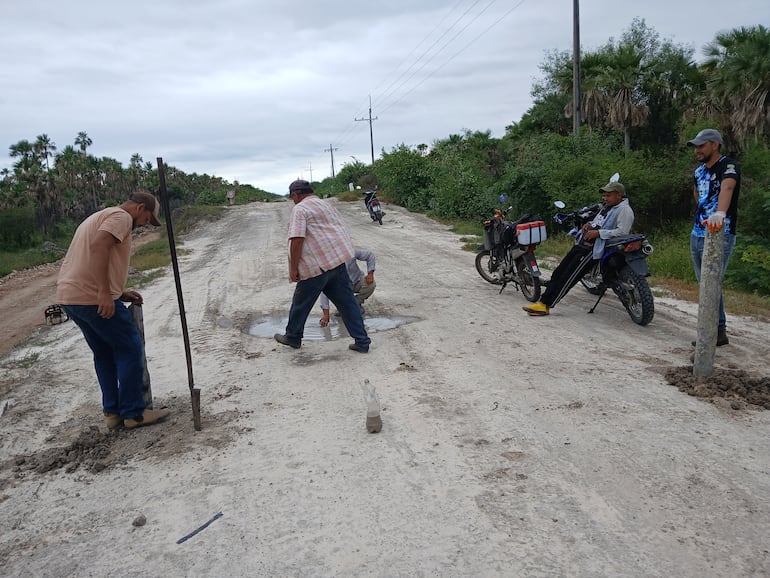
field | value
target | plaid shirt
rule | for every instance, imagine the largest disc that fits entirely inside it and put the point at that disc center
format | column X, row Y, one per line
column 327, row 241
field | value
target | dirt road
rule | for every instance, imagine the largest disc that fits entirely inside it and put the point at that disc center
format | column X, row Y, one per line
column 511, row 446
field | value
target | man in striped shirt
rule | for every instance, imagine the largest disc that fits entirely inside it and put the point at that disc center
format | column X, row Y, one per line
column 319, row 247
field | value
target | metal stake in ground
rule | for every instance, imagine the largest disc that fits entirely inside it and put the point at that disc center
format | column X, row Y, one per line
column 708, row 303
column 195, row 393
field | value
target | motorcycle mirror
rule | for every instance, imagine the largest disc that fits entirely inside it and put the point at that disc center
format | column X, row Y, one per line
column 615, row 178
column 559, row 204
column 503, row 198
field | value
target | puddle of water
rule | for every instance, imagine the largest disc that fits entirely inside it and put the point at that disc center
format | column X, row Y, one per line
column 269, row 325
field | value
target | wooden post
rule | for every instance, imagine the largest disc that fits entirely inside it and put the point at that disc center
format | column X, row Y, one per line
column 708, row 303
column 138, row 317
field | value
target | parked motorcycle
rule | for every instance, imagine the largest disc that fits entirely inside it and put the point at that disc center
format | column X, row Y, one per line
column 508, row 253
column 622, row 268
column 373, row 206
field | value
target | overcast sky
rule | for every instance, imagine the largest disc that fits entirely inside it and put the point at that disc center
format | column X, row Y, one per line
column 255, row 91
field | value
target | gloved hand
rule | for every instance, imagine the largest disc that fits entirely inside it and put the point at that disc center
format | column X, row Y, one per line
column 715, row 221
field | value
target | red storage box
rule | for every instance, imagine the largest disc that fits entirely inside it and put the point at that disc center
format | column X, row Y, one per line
column 531, row 233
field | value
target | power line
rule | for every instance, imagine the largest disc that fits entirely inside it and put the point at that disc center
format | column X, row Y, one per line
column 455, row 55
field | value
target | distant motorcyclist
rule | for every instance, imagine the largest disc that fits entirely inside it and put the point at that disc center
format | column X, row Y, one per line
column 614, row 220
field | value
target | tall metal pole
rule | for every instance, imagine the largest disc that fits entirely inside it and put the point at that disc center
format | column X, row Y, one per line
column 576, row 67
column 195, row 393
column 370, row 119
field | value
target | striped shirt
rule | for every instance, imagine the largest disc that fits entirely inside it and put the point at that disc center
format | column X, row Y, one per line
column 327, row 241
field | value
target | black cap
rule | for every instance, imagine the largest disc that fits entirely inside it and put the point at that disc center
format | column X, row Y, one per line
column 300, row 187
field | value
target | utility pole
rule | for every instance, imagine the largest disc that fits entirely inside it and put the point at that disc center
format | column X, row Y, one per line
column 331, row 150
column 575, row 67
column 311, row 171
column 370, row 119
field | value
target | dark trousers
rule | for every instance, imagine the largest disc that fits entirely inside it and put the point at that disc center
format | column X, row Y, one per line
column 118, row 350
column 336, row 285
column 575, row 264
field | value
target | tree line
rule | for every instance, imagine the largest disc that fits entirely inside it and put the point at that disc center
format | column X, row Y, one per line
column 48, row 189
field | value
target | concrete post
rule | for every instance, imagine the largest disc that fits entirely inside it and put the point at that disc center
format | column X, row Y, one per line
column 708, row 303
column 138, row 316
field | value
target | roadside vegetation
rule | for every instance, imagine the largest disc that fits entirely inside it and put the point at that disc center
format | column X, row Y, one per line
column 642, row 99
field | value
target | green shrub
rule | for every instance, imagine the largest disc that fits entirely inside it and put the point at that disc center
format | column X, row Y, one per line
column 18, row 228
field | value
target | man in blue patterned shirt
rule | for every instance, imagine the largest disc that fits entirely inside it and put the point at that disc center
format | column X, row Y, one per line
column 717, row 184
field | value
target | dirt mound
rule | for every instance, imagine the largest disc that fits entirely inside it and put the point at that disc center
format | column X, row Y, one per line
column 79, row 447
column 735, row 386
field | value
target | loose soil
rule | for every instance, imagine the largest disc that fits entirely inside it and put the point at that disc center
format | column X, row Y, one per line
column 510, row 445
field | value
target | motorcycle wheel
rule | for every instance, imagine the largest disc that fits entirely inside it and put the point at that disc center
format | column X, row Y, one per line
column 592, row 281
column 487, row 265
column 379, row 218
column 529, row 285
column 635, row 294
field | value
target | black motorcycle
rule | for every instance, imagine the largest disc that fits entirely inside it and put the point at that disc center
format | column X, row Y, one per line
column 373, row 206
column 622, row 267
column 508, row 253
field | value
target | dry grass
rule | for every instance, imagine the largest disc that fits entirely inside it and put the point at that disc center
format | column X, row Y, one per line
column 736, row 302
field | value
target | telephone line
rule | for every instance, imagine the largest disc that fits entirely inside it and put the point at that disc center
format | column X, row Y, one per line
column 443, row 47
column 455, row 55
column 386, row 94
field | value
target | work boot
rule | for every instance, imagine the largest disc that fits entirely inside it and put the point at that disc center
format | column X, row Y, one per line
column 538, row 309
column 286, row 341
column 359, row 348
column 721, row 338
column 113, row 420
column 148, row 417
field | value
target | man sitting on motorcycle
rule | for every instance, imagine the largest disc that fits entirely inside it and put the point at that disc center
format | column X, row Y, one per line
column 614, row 220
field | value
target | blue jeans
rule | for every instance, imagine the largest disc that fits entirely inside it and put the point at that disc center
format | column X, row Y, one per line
column 117, row 349
column 696, row 249
column 336, row 284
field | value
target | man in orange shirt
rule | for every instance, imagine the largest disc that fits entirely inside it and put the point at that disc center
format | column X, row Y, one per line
column 90, row 289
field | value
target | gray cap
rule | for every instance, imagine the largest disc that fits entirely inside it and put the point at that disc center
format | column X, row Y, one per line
column 706, row 135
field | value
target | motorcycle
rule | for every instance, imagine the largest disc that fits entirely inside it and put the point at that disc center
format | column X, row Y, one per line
column 508, row 253
column 622, row 267
column 373, row 206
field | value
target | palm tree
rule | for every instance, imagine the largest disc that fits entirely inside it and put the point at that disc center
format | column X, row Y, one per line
column 623, row 77
column 135, row 166
column 83, row 141
column 738, row 76
column 49, row 204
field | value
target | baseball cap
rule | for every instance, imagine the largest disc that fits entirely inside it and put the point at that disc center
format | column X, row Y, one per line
column 614, row 187
column 300, row 186
column 706, row 135
column 150, row 202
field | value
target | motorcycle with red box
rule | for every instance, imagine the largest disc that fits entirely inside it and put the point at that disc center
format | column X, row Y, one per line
column 508, row 253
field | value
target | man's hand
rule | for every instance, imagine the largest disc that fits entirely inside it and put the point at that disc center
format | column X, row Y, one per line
column 324, row 318
column 132, row 297
column 105, row 306
column 715, row 221
column 369, row 278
